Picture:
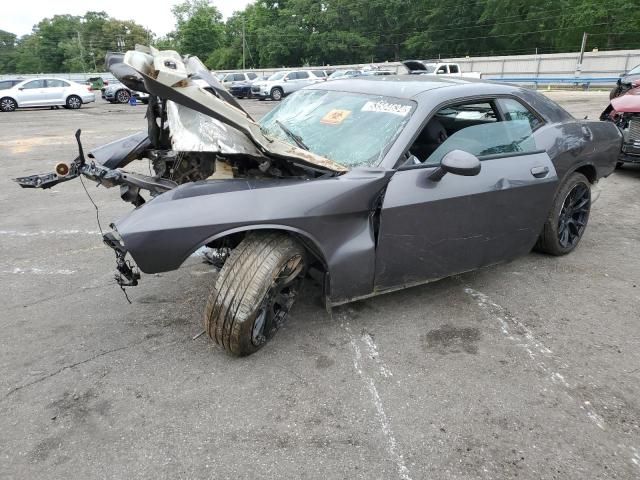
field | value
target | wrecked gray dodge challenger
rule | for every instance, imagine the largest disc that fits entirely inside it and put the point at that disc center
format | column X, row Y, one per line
column 377, row 183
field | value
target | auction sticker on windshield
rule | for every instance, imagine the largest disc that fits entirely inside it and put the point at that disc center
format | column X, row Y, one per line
column 382, row 106
column 335, row 116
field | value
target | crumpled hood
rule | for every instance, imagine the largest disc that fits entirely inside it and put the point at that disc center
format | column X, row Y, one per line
column 209, row 122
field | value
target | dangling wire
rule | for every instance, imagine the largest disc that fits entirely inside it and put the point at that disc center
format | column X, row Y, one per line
column 100, row 228
column 94, row 205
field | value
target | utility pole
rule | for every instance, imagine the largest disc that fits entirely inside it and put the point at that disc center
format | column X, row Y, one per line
column 84, row 70
column 582, row 48
column 243, row 45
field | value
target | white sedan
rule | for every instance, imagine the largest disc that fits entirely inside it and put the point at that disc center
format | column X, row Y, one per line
column 45, row 92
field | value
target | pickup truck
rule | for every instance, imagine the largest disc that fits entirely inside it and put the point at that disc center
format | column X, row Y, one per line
column 428, row 67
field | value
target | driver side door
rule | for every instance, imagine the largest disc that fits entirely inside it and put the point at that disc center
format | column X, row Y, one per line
column 33, row 93
column 430, row 229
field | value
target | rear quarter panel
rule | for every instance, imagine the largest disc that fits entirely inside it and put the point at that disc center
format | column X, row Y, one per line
column 574, row 144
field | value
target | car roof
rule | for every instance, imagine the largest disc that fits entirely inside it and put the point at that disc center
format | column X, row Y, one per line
column 403, row 86
column 47, row 78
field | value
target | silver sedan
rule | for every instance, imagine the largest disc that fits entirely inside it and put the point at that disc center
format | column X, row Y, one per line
column 45, row 92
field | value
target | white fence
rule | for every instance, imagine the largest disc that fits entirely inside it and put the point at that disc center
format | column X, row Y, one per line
column 595, row 64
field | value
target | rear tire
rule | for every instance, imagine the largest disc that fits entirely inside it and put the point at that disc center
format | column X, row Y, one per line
column 568, row 217
column 254, row 292
column 8, row 104
column 73, row 102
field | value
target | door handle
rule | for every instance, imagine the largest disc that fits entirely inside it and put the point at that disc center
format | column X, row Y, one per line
column 540, row 172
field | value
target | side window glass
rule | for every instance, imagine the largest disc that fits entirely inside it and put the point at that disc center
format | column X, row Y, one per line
column 252, row 76
column 515, row 111
column 474, row 128
column 34, row 84
column 442, row 70
column 239, row 77
column 291, row 76
column 56, row 83
column 228, row 78
column 453, row 68
column 302, row 75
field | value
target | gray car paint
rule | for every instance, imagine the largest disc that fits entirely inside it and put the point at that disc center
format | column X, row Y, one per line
column 427, row 230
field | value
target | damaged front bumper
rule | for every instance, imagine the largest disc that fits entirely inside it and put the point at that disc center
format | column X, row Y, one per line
column 130, row 183
column 127, row 274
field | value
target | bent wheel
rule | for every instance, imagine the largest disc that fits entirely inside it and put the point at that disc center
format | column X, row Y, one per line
column 568, row 218
column 254, row 291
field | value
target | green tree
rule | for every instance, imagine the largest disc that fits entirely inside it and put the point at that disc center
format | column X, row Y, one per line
column 199, row 28
column 7, row 52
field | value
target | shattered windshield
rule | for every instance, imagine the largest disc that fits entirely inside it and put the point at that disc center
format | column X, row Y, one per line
column 349, row 128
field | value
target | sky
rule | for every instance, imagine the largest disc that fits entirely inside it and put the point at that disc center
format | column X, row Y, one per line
column 154, row 15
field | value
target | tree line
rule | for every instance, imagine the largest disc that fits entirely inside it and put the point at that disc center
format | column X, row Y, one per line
column 277, row 33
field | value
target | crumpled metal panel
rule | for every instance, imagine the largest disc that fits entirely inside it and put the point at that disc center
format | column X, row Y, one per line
column 186, row 93
column 193, row 131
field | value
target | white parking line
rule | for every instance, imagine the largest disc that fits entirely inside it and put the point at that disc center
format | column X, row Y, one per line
column 37, row 271
column 516, row 331
column 392, row 445
column 47, row 233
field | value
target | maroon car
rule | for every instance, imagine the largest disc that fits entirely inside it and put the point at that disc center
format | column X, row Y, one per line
column 624, row 111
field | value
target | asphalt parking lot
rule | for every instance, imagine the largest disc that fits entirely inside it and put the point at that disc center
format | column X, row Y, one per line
column 528, row 369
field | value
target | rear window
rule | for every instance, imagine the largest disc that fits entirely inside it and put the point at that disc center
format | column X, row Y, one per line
column 453, row 68
column 252, row 76
column 319, row 73
column 635, row 70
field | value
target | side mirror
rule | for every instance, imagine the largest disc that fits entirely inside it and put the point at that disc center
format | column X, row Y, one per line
column 285, row 79
column 457, row 162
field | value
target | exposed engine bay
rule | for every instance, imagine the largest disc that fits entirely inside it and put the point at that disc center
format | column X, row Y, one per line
column 196, row 131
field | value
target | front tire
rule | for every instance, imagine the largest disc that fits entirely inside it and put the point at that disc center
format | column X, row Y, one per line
column 568, row 218
column 277, row 94
column 8, row 104
column 73, row 102
column 254, row 292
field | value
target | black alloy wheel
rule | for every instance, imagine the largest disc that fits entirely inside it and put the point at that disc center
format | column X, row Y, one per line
column 574, row 215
